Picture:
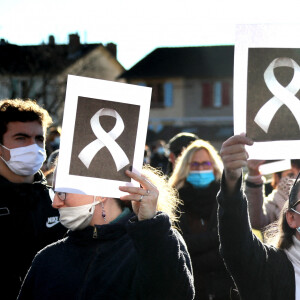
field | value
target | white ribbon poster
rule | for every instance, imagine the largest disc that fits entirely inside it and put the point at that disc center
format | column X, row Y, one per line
column 267, row 89
column 103, row 134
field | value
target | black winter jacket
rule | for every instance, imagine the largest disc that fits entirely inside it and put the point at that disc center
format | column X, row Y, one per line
column 124, row 260
column 198, row 223
column 27, row 224
column 261, row 272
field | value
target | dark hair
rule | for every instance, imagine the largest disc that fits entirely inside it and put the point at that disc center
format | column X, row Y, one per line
column 180, row 141
column 279, row 233
column 273, row 182
column 293, row 197
column 286, row 233
column 123, row 204
column 295, row 163
column 18, row 110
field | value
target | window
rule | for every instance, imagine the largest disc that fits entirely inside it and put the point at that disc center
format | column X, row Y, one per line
column 162, row 94
column 207, row 93
column 215, row 94
column 218, row 94
column 157, row 99
column 24, row 89
column 225, row 94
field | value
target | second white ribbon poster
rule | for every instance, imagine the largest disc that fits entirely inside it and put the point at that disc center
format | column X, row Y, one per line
column 267, row 89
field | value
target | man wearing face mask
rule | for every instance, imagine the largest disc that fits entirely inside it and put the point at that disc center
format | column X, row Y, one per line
column 27, row 220
column 196, row 176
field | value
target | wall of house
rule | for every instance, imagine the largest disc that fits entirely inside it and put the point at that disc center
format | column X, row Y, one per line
column 99, row 64
column 5, row 87
column 43, row 89
column 49, row 91
column 162, row 113
column 187, row 104
column 165, row 115
column 194, row 98
column 24, row 87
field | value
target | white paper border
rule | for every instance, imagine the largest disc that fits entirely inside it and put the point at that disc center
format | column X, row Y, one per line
column 273, row 167
column 105, row 90
column 260, row 36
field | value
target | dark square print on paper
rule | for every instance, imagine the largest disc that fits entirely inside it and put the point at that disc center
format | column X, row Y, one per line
column 283, row 125
column 103, row 165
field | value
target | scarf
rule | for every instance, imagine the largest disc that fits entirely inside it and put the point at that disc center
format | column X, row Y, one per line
column 293, row 254
column 199, row 202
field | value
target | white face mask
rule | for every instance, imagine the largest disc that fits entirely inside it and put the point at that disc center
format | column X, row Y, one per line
column 27, row 160
column 77, row 217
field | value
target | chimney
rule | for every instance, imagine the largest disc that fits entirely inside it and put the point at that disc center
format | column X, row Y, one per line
column 74, row 43
column 112, row 48
column 51, row 40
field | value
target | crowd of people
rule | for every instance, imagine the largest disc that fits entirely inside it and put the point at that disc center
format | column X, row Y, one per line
column 187, row 231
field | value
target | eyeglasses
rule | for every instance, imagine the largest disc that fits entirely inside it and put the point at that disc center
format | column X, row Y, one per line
column 294, row 210
column 61, row 195
column 196, row 165
column 291, row 204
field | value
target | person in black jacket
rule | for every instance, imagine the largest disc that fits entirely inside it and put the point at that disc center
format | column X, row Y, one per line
column 196, row 176
column 260, row 271
column 112, row 252
column 27, row 220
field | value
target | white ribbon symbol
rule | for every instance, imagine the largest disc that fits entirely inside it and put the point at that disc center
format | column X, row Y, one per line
column 282, row 95
column 105, row 139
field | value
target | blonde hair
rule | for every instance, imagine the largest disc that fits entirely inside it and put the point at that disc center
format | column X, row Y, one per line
column 168, row 200
column 182, row 167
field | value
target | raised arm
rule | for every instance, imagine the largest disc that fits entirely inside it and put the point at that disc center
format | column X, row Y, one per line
column 164, row 267
column 244, row 254
column 254, row 190
column 234, row 158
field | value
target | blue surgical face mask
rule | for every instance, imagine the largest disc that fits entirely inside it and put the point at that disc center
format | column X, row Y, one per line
column 161, row 150
column 56, row 142
column 201, row 179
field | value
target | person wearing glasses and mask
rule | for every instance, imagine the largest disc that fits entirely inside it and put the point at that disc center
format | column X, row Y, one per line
column 264, row 271
column 115, row 252
column 27, row 220
column 196, row 176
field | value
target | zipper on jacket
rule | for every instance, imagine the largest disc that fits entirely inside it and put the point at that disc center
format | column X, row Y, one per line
column 95, row 234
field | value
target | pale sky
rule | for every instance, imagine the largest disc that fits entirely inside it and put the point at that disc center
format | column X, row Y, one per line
column 138, row 26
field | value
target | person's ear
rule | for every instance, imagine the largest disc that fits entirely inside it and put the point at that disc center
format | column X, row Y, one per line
column 172, row 158
column 276, row 179
column 101, row 199
column 295, row 171
column 291, row 220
